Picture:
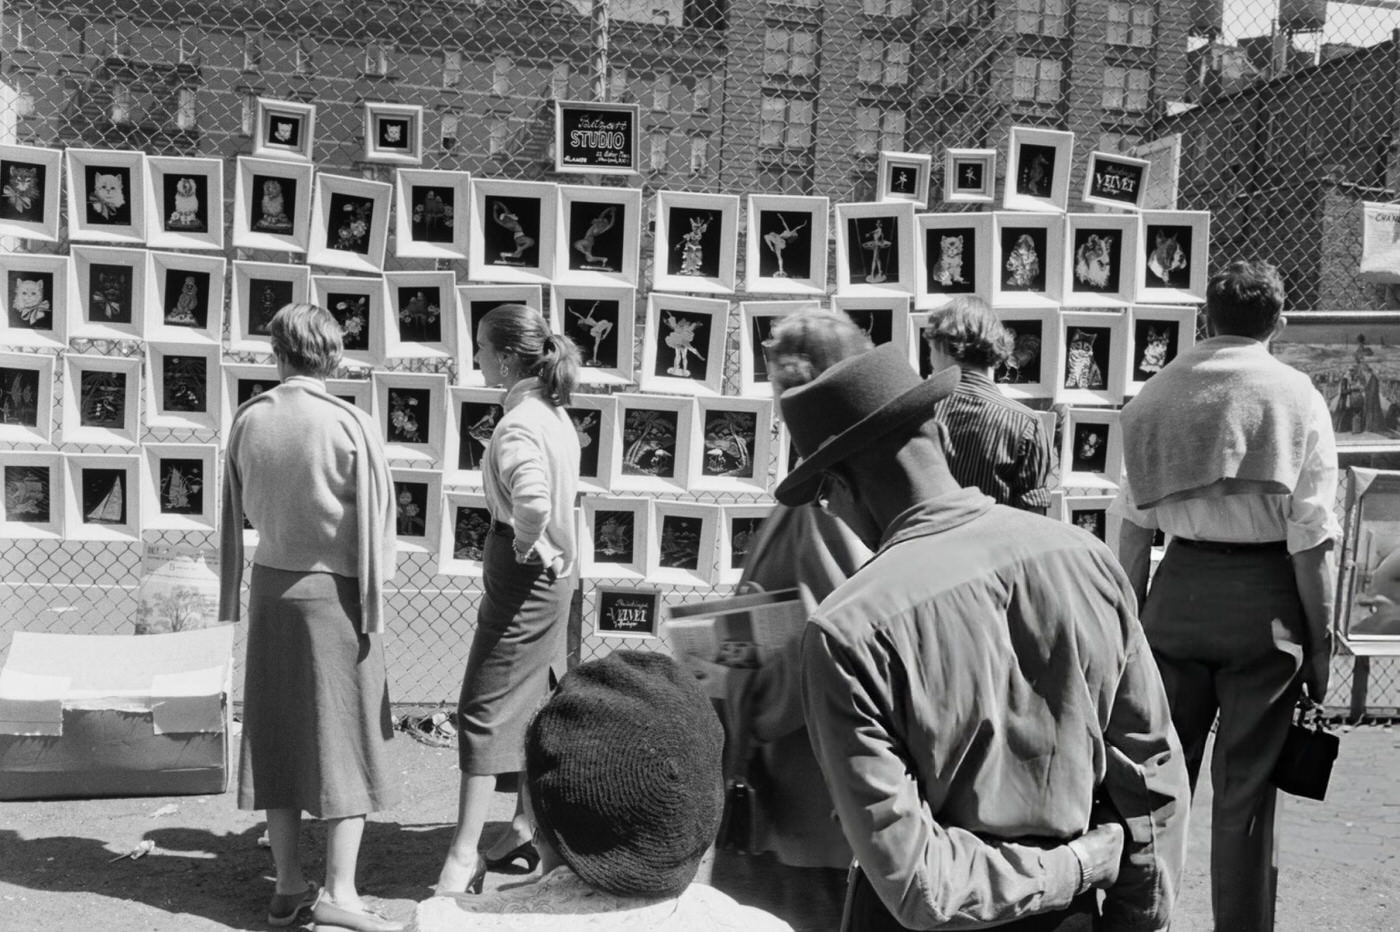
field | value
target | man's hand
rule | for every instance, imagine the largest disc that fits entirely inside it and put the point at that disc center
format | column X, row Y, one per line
column 1099, row 851
column 1317, row 671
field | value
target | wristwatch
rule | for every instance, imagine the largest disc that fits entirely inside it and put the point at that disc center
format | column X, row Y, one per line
column 522, row 556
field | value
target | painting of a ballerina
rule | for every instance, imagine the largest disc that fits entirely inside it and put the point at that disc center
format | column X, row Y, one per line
column 786, row 250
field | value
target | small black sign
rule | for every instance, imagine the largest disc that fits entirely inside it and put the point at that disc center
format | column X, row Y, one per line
column 628, row 612
column 596, row 138
column 1115, row 182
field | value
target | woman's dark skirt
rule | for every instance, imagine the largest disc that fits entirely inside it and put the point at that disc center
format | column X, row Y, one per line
column 523, row 615
column 316, row 721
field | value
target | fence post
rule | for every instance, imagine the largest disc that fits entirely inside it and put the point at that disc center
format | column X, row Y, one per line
column 574, row 638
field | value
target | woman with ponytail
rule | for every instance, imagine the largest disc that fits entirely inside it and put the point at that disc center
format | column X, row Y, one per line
column 530, row 474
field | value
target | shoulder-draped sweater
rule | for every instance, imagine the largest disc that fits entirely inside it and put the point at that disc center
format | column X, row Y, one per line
column 1223, row 410
column 309, row 472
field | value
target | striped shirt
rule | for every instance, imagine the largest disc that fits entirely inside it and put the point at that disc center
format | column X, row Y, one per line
column 995, row 444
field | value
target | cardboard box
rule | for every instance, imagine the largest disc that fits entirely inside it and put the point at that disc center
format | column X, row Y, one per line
column 123, row 715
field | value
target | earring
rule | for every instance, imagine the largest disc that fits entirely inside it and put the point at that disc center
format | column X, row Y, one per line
column 505, row 371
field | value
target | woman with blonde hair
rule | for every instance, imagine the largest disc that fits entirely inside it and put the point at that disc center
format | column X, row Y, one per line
column 308, row 470
column 530, row 472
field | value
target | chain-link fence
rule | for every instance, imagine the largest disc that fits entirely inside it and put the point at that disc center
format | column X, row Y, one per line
column 1278, row 118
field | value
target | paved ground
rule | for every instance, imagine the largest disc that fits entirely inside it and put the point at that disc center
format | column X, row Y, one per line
column 1337, row 871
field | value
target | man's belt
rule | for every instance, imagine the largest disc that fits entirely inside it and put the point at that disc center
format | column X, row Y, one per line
column 1228, row 546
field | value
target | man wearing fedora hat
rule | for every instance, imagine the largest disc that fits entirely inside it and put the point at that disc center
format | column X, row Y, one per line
column 982, row 703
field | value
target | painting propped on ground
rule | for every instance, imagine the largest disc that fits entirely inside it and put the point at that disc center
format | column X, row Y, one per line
column 1354, row 360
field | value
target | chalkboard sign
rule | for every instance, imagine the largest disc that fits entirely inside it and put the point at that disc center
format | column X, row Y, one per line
column 633, row 613
column 596, row 138
column 1115, row 180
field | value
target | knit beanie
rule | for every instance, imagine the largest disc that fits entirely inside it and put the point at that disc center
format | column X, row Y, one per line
column 624, row 773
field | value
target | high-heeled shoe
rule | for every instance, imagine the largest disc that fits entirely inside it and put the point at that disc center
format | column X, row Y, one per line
column 525, row 851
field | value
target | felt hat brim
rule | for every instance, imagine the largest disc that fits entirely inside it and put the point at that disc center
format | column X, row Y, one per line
column 801, row 484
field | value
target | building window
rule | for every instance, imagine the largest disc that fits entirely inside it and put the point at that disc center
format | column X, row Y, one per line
column 252, row 51
column 559, row 80
column 448, row 133
column 451, row 68
column 1118, row 142
column 117, row 44
column 248, row 113
column 187, row 49
column 617, row 85
column 24, row 93
column 883, row 62
column 656, row 153
column 1126, row 89
column 878, row 129
column 305, row 59
column 789, row 51
column 186, row 112
column 121, row 103
column 1041, row 17
column 704, row 89
column 888, row 8
column 501, row 68
column 699, row 155
column 786, row 123
column 661, row 92
column 499, row 139
column 1037, row 80
column 23, row 29
column 1131, row 24
column 377, row 56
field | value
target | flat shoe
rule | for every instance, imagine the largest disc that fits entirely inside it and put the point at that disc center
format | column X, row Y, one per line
column 285, row 907
column 332, row 918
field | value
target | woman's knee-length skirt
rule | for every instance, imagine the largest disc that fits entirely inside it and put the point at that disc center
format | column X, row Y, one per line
column 316, row 720
column 523, row 615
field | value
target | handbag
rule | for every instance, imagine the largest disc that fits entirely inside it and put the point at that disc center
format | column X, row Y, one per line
column 1304, row 767
column 742, row 827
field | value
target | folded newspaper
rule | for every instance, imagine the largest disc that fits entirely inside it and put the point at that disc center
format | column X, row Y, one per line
column 741, row 632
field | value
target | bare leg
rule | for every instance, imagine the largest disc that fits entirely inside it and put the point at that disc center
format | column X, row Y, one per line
column 284, row 835
column 521, row 830
column 472, row 805
column 342, row 856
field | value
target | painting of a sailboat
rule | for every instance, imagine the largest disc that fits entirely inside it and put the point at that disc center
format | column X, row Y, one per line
column 104, row 496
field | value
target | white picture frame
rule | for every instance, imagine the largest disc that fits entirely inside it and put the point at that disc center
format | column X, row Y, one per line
column 1118, row 182
column 101, row 400
column 1028, row 258
column 735, row 436
column 919, row 358
column 884, row 230
column 969, row 176
column 258, row 291
column 175, row 375
column 1073, row 508
column 952, row 256
column 738, row 529
column 1091, row 449
column 241, row 382
column 1100, row 259
column 185, row 209
column 417, row 521
column 1165, row 155
column 903, row 176
column 107, row 295
column 1090, row 328
column 34, row 301
column 358, row 392
column 676, row 327
column 26, row 398
column 179, row 486
column 614, row 537
column 284, row 129
column 102, row 497
column 358, row 305
column 476, row 301
column 884, row 318
column 784, row 455
column 106, row 195
column 785, row 252
column 656, row 438
column 1029, row 372
column 32, row 179
column 393, row 133
column 695, row 243
column 596, row 138
column 1038, row 163
column 463, row 527
column 672, row 558
column 1156, row 334
column 628, row 613
column 410, row 408
column 349, row 223
column 604, row 224
column 421, row 314
column 431, row 216
column 595, row 419
column 472, row 415
column 756, row 319
column 186, row 294
column 602, row 322
column 1170, row 272
column 32, row 506
column 272, row 205
column 512, row 231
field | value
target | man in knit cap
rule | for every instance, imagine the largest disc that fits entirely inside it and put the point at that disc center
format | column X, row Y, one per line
column 623, row 780
column 980, row 696
column 1231, row 453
